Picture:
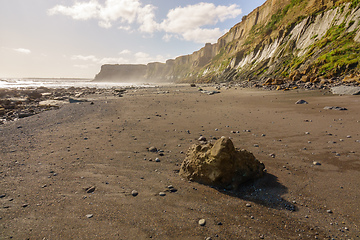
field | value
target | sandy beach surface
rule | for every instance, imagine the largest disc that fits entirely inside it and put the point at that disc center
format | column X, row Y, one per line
column 311, row 190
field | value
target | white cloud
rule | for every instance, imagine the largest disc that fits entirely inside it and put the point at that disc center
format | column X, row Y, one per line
column 85, row 58
column 123, row 11
column 22, row 50
column 189, row 21
column 200, row 35
column 79, row 11
column 124, row 52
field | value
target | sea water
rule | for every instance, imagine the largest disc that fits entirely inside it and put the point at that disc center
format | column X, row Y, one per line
column 32, row 83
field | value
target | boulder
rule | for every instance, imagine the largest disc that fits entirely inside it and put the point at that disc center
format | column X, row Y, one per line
column 346, row 90
column 220, row 165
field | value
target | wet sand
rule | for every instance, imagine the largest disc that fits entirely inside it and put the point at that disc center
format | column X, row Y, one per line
column 49, row 159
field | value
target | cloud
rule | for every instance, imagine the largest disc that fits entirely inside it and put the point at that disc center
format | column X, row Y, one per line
column 85, row 58
column 123, row 11
column 79, row 11
column 22, row 50
column 203, row 35
column 189, row 21
column 124, row 52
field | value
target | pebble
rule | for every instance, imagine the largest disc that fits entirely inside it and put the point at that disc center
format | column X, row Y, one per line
column 134, row 193
column 152, row 149
column 89, row 215
column 301, row 102
column 202, row 138
column 202, row 222
column 90, row 189
column 162, row 194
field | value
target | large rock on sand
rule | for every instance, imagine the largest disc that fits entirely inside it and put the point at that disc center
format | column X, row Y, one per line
column 220, row 165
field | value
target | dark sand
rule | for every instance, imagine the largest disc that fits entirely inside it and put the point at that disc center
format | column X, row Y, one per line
column 48, row 159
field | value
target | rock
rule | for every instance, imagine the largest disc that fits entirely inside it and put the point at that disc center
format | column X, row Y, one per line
column 336, row 108
column 220, row 165
column 305, row 79
column 202, row 222
column 89, row 215
column 301, row 102
column 90, row 189
column 248, row 205
column 152, row 149
column 52, row 103
column 202, row 139
column 162, row 194
column 71, row 100
column 192, row 85
column 295, row 75
column 345, row 90
column 134, row 193
column 351, row 79
column 316, row 163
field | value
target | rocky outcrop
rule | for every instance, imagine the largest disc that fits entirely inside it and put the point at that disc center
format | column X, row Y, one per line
column 285, row 39
column 220, row 165
column 121, row 73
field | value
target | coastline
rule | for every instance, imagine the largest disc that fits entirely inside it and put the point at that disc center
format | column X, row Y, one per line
column 48, row 160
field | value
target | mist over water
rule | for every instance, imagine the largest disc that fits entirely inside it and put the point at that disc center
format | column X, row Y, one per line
column 31, row 83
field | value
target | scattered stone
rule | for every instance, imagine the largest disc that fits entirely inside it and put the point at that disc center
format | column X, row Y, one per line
column 25, row 205
column 152, row 149
column 345, row 90
column 301, row 102
column 134, row 193
column 220, row 165
column 89, row 215
column 162, row 194
column 90, row 189
column 316, row 163
column 202, row 222
column 202, row 139
column 335, row 108
column 272, row 155
column 157, row 160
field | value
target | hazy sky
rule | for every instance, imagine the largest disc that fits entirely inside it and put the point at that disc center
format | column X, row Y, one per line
column 68, row 38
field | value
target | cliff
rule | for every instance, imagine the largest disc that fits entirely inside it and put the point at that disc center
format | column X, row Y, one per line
column 121, row 72
column 281, row 38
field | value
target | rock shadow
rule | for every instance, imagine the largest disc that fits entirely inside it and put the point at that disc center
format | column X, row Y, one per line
column 266, row 191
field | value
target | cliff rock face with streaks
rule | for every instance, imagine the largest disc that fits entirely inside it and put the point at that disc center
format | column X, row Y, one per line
column 285, row 39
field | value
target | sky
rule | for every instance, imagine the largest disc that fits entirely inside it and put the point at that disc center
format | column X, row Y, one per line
column 73, row 38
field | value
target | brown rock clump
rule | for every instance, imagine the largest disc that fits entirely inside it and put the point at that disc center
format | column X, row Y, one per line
column 220, row 165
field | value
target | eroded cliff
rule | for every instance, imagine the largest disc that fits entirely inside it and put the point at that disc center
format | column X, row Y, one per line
column 281, row 38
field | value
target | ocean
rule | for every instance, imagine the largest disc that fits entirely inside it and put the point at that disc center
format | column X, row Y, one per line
column 32, row 83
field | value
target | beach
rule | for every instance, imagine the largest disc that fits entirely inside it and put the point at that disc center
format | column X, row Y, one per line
column 71, row 172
